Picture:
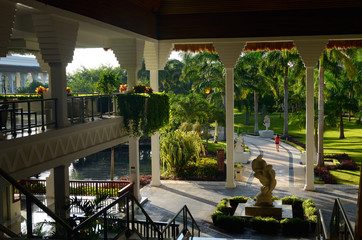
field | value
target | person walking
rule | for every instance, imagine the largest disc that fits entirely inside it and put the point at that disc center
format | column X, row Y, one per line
column 277, row 141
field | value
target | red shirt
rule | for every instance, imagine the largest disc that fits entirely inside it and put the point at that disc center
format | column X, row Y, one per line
column 277, row 139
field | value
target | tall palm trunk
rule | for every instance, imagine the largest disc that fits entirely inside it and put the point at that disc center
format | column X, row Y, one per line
column 320, row 149
column 247, row 115
column 341, row 127
column 256, row 125
column 216, row 136
column 285, row 131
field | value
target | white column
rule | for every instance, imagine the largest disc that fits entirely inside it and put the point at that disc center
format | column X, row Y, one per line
column 58, row 190
column 129, row 54
column 155, row 139
column 57, row 38
column 229, row 93
column 229, row 53
column 310, row 50
column 57, row 87
column 131, row 77
column 134, row 168
column 309, row 181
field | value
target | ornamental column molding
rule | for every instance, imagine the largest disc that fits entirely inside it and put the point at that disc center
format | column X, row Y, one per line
column 129, row 54
column 310, row 52
column 7, row 19
column 229, row 53
column 151, row 61
column 57, row 38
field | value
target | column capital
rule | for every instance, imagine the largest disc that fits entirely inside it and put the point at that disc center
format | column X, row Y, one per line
column 229, row 52
column 7, row 19
column 56, row 36
column 310, row 50
column 129, row 52
column 151, row 55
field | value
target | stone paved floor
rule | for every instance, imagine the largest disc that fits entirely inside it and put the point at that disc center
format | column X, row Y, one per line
column 201, row 197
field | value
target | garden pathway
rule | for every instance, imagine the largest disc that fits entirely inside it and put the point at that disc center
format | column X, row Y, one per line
column 202, row 197
column 286, row 163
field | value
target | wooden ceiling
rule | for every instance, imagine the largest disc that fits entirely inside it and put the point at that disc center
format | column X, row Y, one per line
column 180, row 19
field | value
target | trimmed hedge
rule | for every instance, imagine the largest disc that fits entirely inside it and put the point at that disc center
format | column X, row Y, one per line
column 303, row 223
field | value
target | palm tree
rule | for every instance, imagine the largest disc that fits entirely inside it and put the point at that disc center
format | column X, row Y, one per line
column 334, row 61
column 170, row 76
column 247, row 74
column 282, row 61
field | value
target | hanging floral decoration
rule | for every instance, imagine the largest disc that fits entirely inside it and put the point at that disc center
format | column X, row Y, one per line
column 68, row 90
column 40, row 90
column 123, row 88
column 143, row 112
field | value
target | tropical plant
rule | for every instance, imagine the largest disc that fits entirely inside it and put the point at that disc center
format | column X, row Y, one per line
column 178, row 147
column 247, row 75
column 334, row 61
column 281, row 62
column 107, row 82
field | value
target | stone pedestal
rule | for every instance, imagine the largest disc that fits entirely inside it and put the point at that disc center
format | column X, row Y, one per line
column 266, row 133
column 277, row 211
column 241, row 157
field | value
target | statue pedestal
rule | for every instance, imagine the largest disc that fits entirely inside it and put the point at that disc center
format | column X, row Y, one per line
column 241, row 157
column 277, row 211
column 266, row 133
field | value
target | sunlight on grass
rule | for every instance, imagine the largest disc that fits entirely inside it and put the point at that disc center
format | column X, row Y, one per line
column 351, row 145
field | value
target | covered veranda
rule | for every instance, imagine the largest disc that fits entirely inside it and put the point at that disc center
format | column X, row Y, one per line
column 152, row 29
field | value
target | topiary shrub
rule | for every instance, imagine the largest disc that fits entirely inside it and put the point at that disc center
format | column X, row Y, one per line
column 222, row 206
column 215, row 215
column 297, row 205
column 265, row 224
column 230, row 223
column 234, row 201
column 295, row 226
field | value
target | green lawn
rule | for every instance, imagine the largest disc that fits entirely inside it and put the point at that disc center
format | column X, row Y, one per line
column 351, row 145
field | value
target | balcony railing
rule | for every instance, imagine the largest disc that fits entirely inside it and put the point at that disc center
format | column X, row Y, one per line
column 78, row 187
column 28, row 116
column 19, row 116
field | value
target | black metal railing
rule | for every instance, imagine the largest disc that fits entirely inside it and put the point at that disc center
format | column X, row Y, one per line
column 121, row 215
column 27, row 115
column 186, row 222
column 340, row 226
column 321, row 230
column 82, row 107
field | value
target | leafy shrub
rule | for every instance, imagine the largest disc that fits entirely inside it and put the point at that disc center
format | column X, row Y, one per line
column 324, row 174
column 295, row 226
column 215, row 215
column 222, row 206
column 309, row 211
column 293, row 200
column 178, row 148
column 308, row 203
column 265, row 224
column 230, row 223
column 234, row 201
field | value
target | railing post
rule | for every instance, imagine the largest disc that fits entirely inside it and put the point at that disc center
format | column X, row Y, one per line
column 42, row 115
column 56, row 112
column 105, row 225
column 29, row 118
column 92, row 101
column 29, row 218
column 13, row 120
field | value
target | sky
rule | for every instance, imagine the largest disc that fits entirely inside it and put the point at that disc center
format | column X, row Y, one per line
column 95, row 57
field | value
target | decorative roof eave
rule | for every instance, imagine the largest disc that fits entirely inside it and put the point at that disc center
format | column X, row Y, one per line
column 262, row 46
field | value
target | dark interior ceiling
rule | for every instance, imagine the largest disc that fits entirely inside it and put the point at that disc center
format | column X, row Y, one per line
column 180, row 19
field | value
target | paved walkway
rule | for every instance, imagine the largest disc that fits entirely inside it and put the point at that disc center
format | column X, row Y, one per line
column 201, row 197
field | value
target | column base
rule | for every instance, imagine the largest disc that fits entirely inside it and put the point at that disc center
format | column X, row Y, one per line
column 309, row 188
column 230, row 185
column 156, row 183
